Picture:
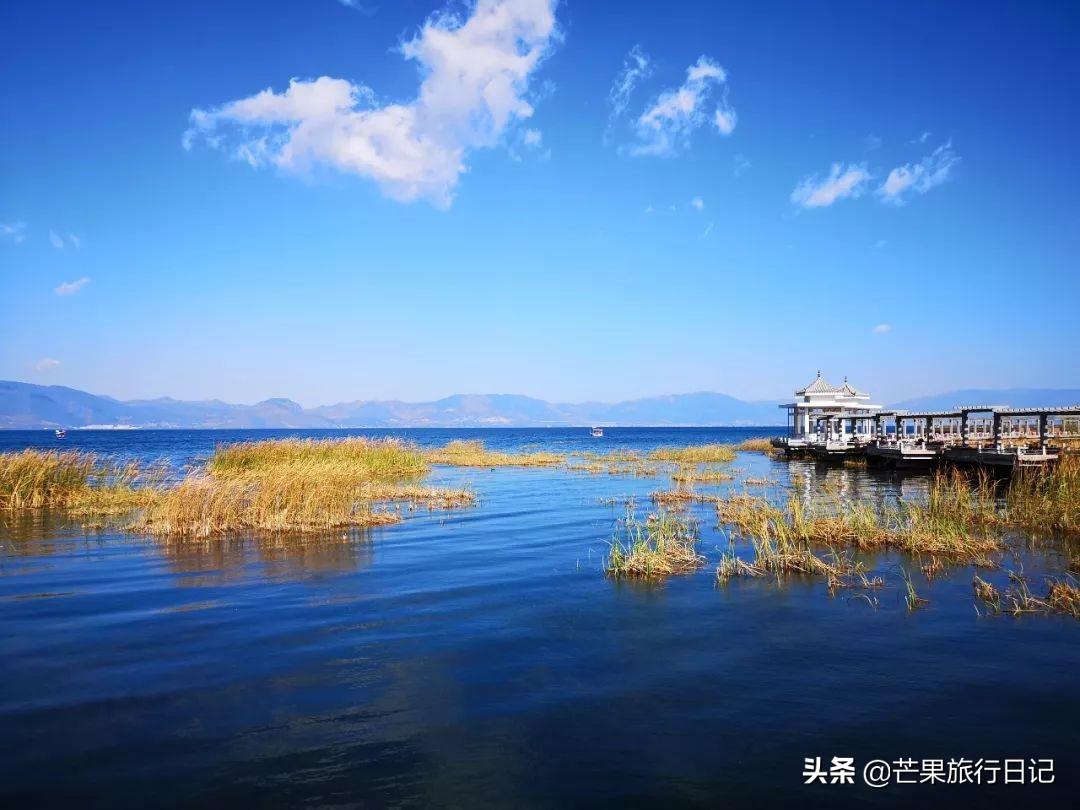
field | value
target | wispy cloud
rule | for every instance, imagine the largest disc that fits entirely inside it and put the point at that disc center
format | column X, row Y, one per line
column 817, row 192
column 367, row 9
column 698, row 203
column 637, row 66
column 648, row 209
column 476, row 74
column 60, row 242
column 14, row 232
column 707, row 231
column 923, row 138
column 872, row 142
column 879, row 244
column 919, row 178
column 45, row 364
column 71, row 287
column 742, row 164
column 882, row 328
column 667, row 124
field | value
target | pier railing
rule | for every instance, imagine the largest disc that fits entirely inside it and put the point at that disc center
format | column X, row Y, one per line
column 1014, row 436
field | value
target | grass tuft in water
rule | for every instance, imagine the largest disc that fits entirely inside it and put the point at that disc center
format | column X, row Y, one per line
column 757, row 446
column 1047, row 501
column 473, row 453
column 695, row 454
column 663, row 544
column 81, row 482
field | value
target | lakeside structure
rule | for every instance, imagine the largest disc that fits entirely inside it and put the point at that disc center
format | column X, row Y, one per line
column 834, row 423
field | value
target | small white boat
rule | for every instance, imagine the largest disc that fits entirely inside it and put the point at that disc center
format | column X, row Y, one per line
column 60, row 433
column 597, row 432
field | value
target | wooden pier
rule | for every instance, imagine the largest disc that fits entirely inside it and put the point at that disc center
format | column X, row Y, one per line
column 833, row 424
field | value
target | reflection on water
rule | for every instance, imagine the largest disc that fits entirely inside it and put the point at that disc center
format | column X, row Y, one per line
column 482, row 657
column 278, row 555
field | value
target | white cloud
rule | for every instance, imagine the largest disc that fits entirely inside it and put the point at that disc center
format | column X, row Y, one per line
column 71, row 287
column 742, row 164
column 476, row 75
column 366, row 9
column 532, row 137
column 648, row 209
column 698, row 203
column 725, row 119
column 707, row 231
column 637, row 66
column 919, row 178
column 813, row 192
column 882, row 328
column 921, row 138
column 45, row 364
column 666, row 125
column 13, row 231
column 60, row 242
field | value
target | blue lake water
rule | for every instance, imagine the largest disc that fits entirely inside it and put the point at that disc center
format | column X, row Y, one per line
column 480, row 657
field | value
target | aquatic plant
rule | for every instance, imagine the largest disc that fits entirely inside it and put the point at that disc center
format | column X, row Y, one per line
column 368, row 459
column 665, row 543
column 954, row 522
column 473, row 453
column 987, row 594
column 297, row 485
column 1047, row 500
column 275, row 485
column 695, row 454
column 74, row 480
column 691, row 473
column 911, row 596
column 757, row 446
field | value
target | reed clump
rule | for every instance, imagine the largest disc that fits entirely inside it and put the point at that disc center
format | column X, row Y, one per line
column 1047, row 500
column 695, row 454
column 955, row 522
column 473, row 453
column 78, row 481
column 756, row 446
column 691, row 473
column 296, row 485
column 364, row 458
column 663, row 544
column 683, row 495
column 616, row 462
column 278, row 485
column 987, row 594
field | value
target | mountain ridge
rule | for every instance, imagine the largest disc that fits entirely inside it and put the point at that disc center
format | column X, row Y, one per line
column 29, row 406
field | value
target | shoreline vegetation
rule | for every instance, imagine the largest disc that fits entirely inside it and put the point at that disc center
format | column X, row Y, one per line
column 306, row 486
column 280, row 485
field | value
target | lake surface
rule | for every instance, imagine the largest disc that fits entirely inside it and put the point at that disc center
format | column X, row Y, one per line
column 481, row 658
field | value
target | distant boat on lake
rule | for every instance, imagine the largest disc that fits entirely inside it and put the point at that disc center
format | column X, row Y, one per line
column 597, row 432
column 60, row 433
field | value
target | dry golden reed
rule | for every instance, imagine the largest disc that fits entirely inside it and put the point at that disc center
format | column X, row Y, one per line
column 665, row 543
column 472, row 453
column 695, row 454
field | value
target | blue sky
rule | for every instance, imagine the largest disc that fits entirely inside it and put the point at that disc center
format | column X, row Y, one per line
column 469, row 205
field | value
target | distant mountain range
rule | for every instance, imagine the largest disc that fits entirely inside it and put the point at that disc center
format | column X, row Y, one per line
column 28, row 406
